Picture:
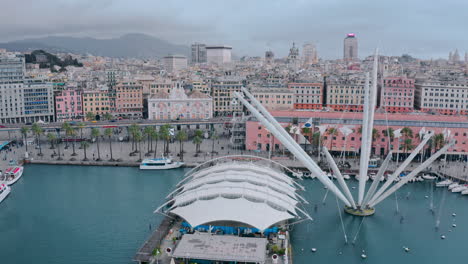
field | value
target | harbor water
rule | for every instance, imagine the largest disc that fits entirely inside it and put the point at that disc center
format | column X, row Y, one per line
column 81, row 215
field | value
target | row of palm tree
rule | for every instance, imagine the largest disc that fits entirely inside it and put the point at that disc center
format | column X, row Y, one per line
column 165, row 133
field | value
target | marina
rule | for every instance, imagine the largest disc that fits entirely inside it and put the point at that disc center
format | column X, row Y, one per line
column 119, row 211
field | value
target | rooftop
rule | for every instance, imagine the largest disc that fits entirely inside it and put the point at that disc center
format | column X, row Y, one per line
column 221, row 248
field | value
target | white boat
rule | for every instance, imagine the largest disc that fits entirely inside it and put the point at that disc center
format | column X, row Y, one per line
column 419, row 179
column 4, row 191
column 159, row 164
column 453, row 185
column 460, row 188
column 12, row 175
column 429, row 177
column 357, row 177
column 464, row 192
column 346, row 177
column 444, row 183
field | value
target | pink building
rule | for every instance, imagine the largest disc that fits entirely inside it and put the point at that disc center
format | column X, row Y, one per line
column 129, row 99
column 68, row 105
column 257, row 136
column 397, row 95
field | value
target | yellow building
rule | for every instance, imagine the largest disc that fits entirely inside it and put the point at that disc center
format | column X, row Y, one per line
column 96, row 102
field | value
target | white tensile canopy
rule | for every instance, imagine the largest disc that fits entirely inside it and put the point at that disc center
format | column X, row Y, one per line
column 254, row 195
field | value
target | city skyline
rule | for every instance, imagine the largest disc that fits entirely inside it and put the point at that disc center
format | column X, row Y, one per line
column 396, row 28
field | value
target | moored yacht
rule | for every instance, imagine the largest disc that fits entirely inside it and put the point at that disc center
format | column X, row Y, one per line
column 453, row 185
column 460, row 188
column 444, row 183
column 12, row 175
column 429, row 177
column 465, row 192
column 159, row 164
column 4, row 191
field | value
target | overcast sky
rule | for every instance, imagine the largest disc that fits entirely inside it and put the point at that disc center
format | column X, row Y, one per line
column 423, row 28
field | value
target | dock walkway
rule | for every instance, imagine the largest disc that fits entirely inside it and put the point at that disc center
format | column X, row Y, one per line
column 145, row 253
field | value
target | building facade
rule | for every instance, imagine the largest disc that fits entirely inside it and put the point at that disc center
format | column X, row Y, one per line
column 345, row 94
column 223, row 89
column 397, row 95
column 174, row 63
column 309, row 54
column 129, row 99
column 96, row 102
column 257, row 136
column 307, row 95
column 350, row 47
column 218, row 55
column 69, row 105
column 440, row 96
column 23, row 100
column 274, row 98
column 198, row 52
column 178, row 105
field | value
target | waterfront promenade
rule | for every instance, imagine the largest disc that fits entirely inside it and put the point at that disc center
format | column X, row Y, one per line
column 121, row 153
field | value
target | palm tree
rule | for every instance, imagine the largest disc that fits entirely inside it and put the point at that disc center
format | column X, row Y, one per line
column 133, row 129
column 38, row 131
column 24, row 133
column 155, row 137
column 138, row 138
column 59, row 139
column 108, row 116
column 51, row 137
column 214, row 136
column 197, row 141
column 148, row 131
column 181, row 137
column 407, row 144
column 165, row 134
column 375, row 136
column 90, row 116
column 72, row 133
column 438, row 141
column 390, row 134
column 108, row 133
column 66, row 127
column 81, row 125
column 95, row 133
column 407, row 133
column 332, row 132
column 84, row 145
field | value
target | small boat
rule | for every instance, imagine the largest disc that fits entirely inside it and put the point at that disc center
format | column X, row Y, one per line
column 4, row 191
column 453, row 185
column 465, row 192
column 444, row 183
column 373, row 176
column 429, row 177
column 357, row 177
column 159, row 164
column 306, row 174
column 419, row 179
column 346, row 177
column 12, row 175
column 460, row 188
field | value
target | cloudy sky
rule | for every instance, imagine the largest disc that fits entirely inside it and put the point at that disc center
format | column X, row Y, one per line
column 423, row 28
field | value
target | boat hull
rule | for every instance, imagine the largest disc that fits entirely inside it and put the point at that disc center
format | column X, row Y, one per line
column 5, row 193
column 174, row 165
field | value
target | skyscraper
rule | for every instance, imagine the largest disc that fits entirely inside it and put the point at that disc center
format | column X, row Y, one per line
column 218, row 54
column 198, row 53
column 350, row 51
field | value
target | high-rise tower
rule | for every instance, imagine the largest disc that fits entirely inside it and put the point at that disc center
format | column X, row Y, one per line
column 350, row 51
column 309, row 53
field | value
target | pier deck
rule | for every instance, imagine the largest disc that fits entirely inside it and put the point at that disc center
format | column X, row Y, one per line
column 145, row 253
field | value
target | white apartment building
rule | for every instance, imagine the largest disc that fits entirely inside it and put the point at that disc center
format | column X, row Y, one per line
column 445, row 97
column 23, row 100
column 218, row 54
column 174, row 63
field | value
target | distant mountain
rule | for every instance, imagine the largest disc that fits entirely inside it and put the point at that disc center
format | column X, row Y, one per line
column 127, row 46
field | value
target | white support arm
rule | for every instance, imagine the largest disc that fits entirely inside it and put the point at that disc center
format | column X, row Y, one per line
column 402, row 166
column 365, row 144
column 293, row 148
column 412, row 174
column 282, row 131
column 379, row 176
column 340, row 178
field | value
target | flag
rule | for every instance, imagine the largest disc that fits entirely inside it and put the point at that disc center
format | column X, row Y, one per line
column 397, row 133
column 171, row 131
